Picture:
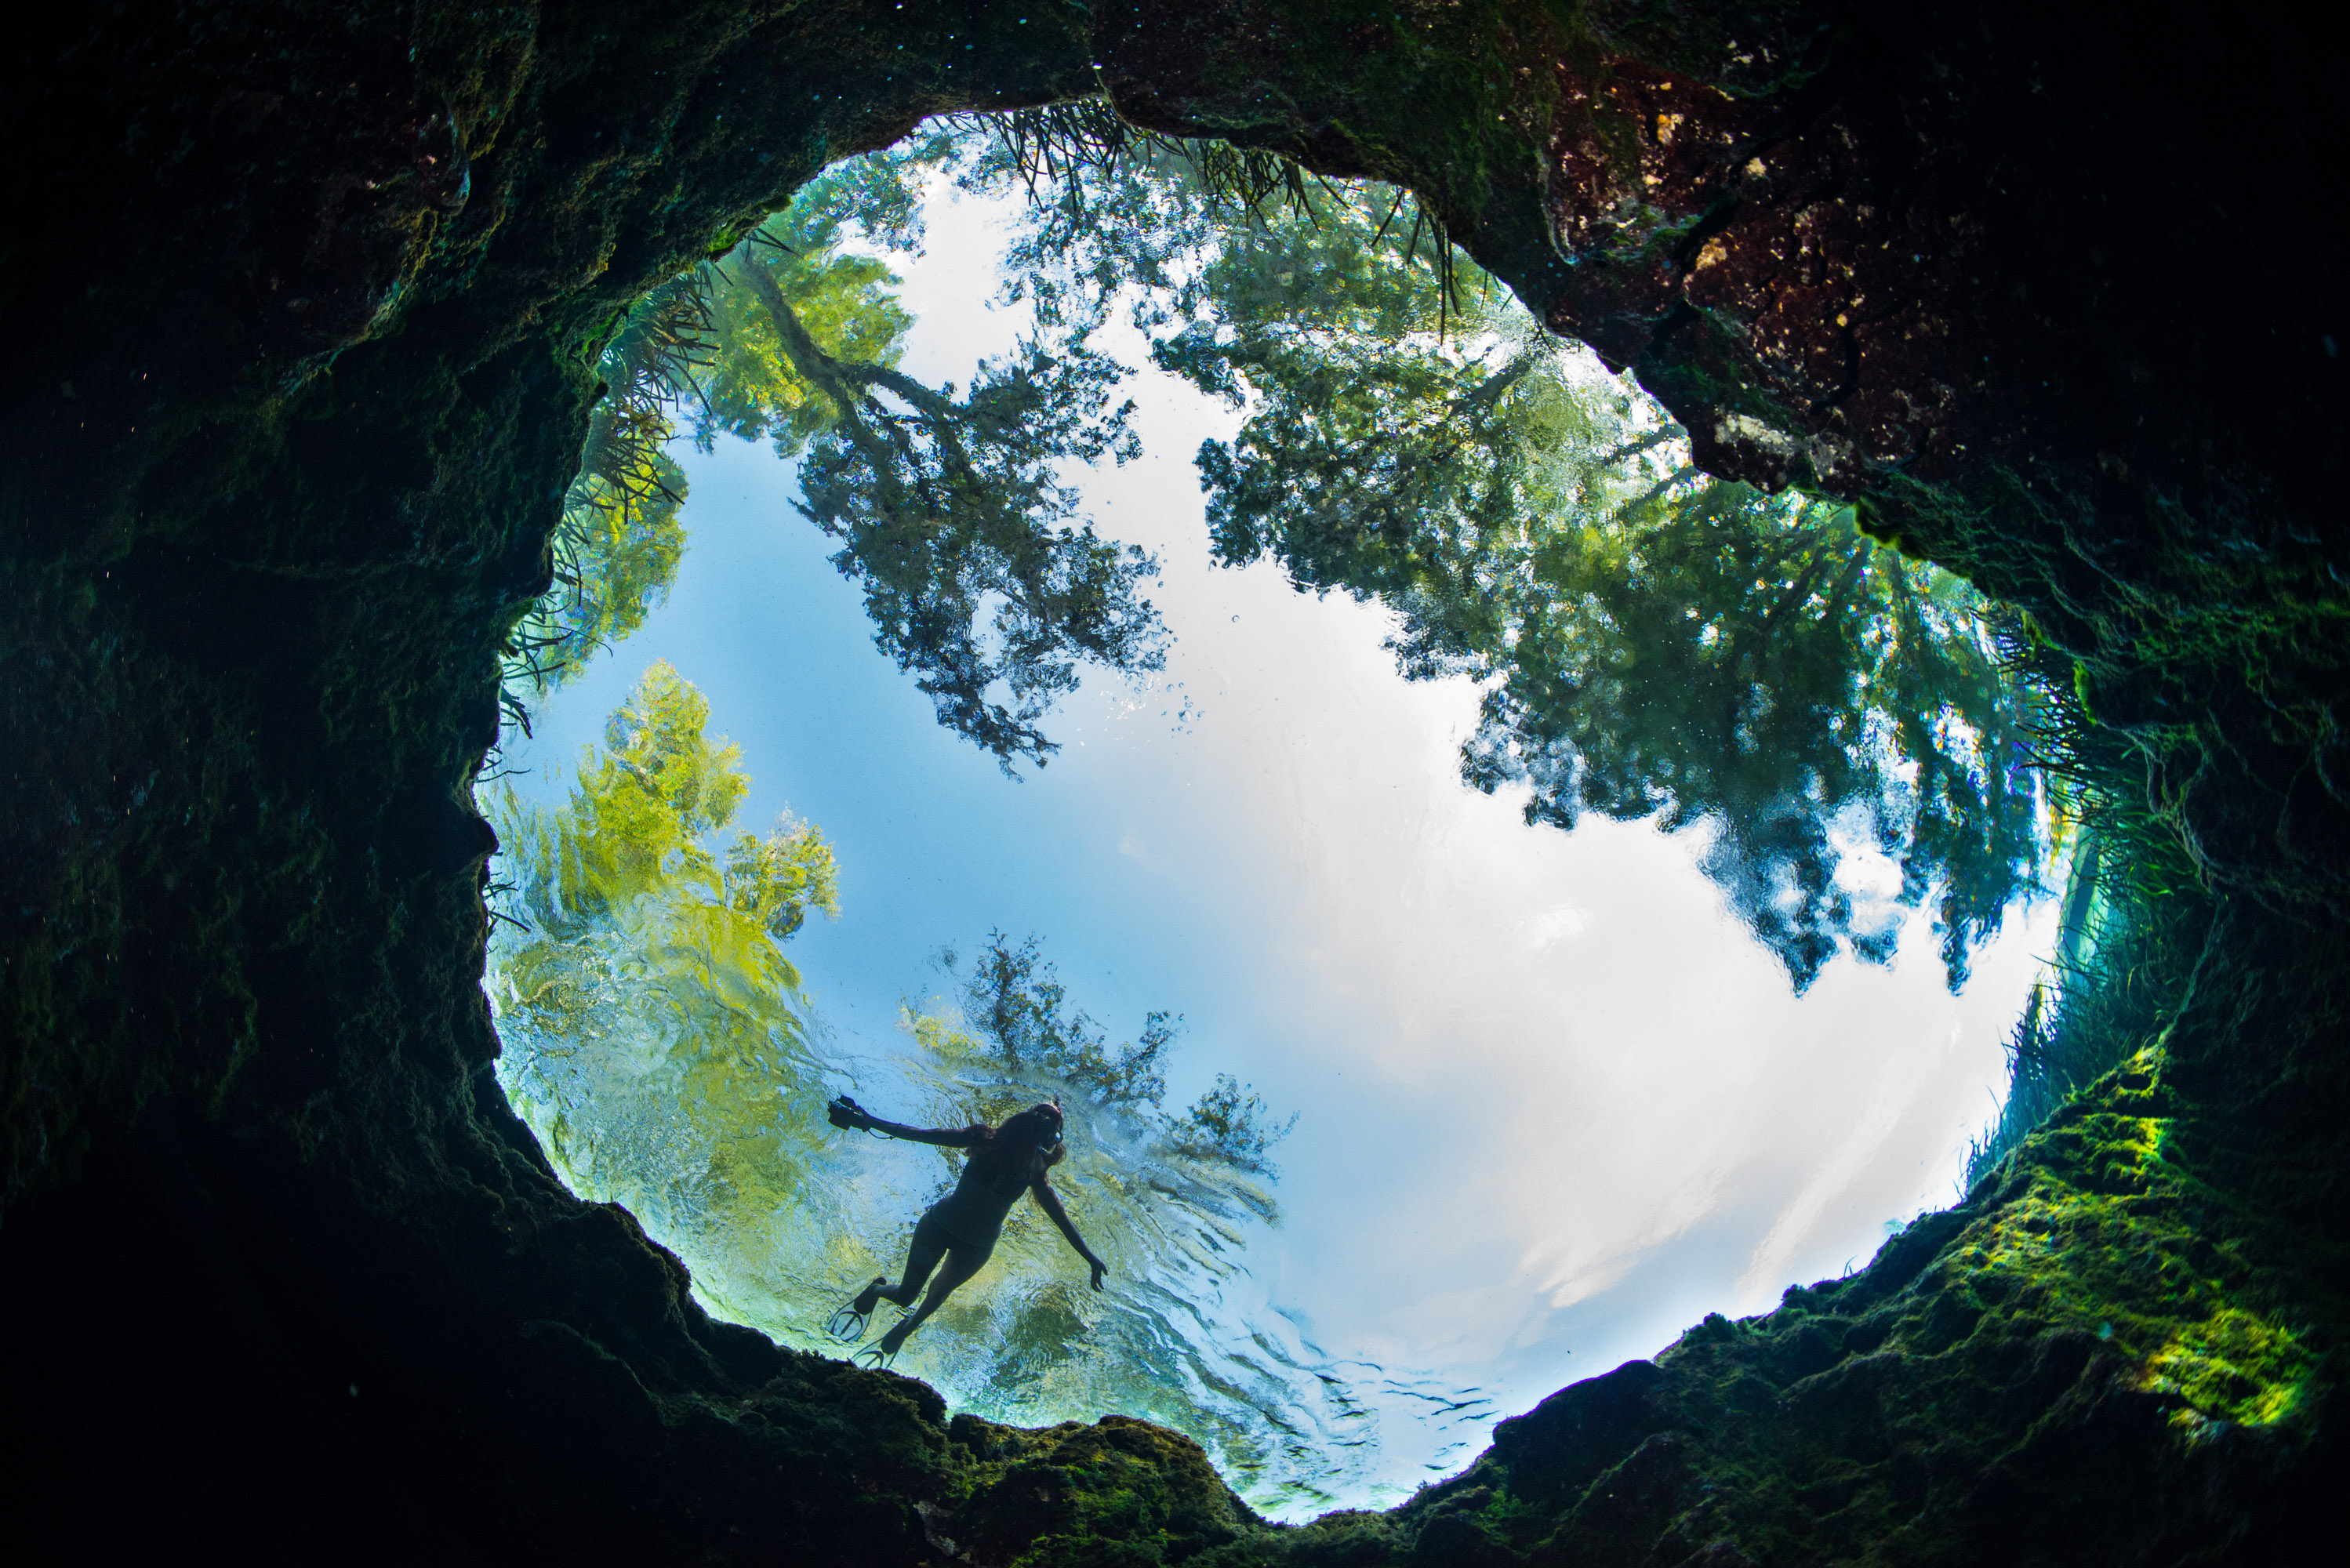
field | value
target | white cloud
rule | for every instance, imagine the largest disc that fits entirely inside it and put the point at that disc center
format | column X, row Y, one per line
column 1552, row 927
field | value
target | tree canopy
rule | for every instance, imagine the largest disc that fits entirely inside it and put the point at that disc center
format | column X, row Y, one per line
column 1653, row 643
column 1017, row 1009
column 617, row 547
column 981, row 576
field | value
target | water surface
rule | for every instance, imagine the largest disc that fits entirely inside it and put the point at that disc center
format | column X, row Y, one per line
column 1554, row 1105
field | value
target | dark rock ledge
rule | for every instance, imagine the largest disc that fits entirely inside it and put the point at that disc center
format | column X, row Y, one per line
column 301, row 303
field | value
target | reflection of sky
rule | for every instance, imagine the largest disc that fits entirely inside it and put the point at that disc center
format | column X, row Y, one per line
column 1555, row 1106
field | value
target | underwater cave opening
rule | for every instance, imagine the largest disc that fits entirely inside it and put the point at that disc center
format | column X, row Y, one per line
column 1558, row 1094
column 305, row 380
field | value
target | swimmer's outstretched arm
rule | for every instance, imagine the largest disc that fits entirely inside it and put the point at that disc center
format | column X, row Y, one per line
column 945, row 1138
column 1050, row 1202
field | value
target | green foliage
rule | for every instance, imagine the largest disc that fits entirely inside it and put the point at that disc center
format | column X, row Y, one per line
column 1759, row 663
column 980, row 575
column 616, row 547
column 1117, row 211
column 1018, row 1001
column 1015, row 1001
column 952, row 513
column 695, row 345
column 753, row 387
column 1230, row 1123
column 648, row 956
column 777, row 879
column 1654, row 644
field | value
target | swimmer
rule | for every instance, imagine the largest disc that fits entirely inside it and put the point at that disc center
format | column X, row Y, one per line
column 962, row 1227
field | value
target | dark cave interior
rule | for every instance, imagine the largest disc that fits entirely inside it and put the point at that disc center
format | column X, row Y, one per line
column 306, row 302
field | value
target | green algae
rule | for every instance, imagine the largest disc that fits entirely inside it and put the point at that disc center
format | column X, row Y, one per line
column 2105, row 1269
column 2109, row 1236
column 2237, row 1366
column 1117, row 1491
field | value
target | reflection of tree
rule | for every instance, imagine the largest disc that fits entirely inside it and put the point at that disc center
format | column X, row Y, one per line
column 1761, row 663
column 978, row 574
column 647, row 988
column 1655, row 642
column 1020, row 1015
column 949, row 513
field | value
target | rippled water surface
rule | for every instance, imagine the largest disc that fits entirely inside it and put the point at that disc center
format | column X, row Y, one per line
column 1552, row 1104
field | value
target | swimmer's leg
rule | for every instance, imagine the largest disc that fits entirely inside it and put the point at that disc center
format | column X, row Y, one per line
column 961, row 1264
column 929, row 1245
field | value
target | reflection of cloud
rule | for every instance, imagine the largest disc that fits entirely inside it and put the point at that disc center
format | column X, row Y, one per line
column 1131, row 848
column 1583, row 1263
column 1563, row 924
column 1831, row 1179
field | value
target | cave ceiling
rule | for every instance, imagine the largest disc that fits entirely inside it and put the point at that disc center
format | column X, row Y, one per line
column 304, row 301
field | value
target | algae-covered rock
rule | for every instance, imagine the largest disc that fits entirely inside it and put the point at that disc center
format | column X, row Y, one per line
column 302, row 303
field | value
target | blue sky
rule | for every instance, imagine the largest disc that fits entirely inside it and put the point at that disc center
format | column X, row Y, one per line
column 1555, row 1104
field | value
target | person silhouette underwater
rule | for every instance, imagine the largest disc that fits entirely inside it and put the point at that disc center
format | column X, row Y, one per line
column 962, row 1228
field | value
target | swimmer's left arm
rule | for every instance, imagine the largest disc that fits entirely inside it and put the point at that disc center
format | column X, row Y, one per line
column 844, row 1112
column 1050, row 1202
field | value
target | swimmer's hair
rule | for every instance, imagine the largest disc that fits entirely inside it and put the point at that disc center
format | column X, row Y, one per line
column 1017, row 1146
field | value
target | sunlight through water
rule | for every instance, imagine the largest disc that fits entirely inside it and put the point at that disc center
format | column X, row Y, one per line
column 1554, row 1101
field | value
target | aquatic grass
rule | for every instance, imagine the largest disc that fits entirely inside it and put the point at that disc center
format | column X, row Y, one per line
column 2133, row 920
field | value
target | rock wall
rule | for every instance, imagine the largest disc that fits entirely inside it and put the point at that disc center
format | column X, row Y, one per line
column 302, row 303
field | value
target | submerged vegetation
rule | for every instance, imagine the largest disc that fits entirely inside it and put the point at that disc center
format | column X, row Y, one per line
column 2129, row 944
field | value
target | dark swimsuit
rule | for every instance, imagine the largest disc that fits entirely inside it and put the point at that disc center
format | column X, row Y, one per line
column 972, row 1217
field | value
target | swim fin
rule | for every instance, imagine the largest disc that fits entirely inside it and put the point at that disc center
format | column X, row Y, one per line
column 847, row 1325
